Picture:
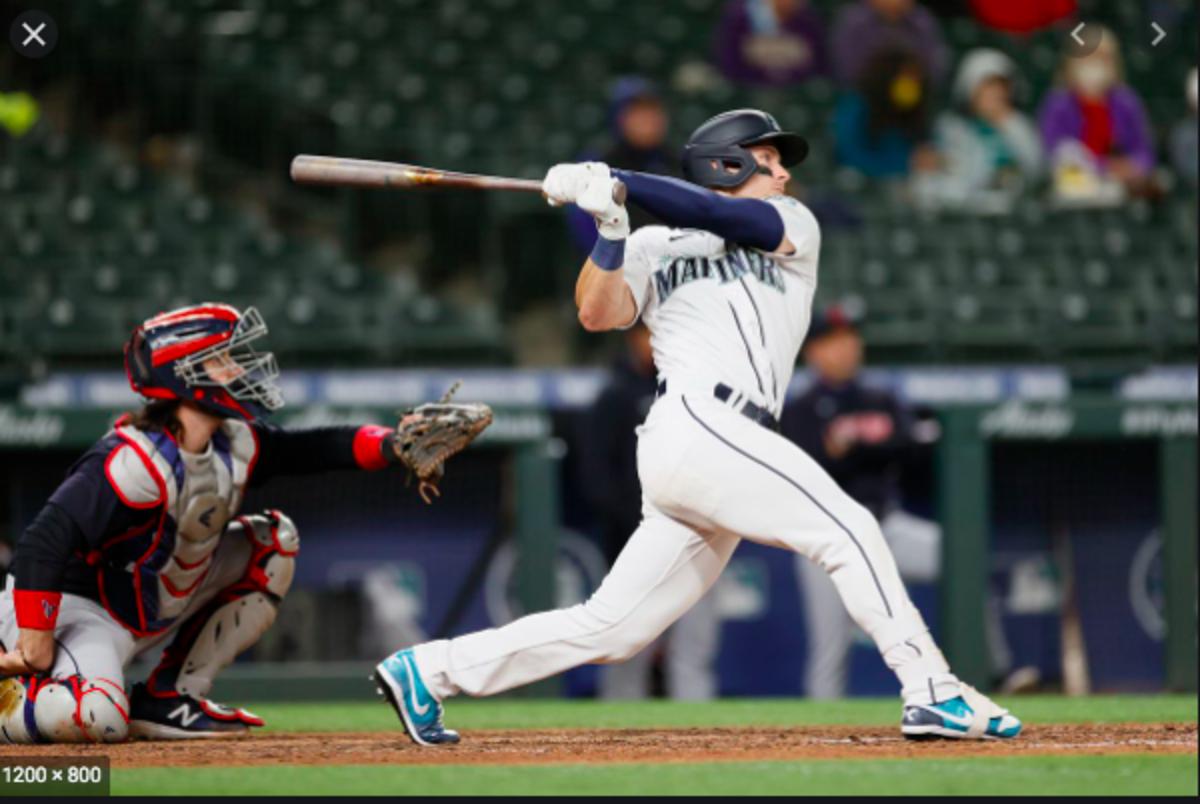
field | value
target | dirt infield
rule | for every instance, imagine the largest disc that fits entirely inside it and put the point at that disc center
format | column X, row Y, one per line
column 635, row 745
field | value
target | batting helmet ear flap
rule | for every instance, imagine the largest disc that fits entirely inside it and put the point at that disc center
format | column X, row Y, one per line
column 721, row 144
column 718, row 166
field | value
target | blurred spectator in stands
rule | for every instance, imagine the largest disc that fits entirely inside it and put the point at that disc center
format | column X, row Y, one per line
column 19, row 112
column 610, row 479
column 1183, row 138
column 882, row 129
column 640, row 124
column 864, row 437
column 770, row 42
column 1022, row 16
column 1095, row 129
column 989, row 150
column 867, row 28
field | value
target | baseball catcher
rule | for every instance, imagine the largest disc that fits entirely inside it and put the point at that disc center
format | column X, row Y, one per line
column 143, row 547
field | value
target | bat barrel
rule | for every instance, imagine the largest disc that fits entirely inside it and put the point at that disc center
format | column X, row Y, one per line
column 352, row 172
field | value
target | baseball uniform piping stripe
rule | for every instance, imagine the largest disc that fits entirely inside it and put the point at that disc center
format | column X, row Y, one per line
column 749, row 356
column 70, row 656
column 762, row 334
column 799, row 488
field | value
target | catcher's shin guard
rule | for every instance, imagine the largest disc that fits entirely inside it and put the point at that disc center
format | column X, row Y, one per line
column 239, row 614
column 62, row 710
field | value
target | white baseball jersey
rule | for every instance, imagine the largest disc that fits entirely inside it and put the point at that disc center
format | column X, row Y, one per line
column 711, row 476
column 723, row 313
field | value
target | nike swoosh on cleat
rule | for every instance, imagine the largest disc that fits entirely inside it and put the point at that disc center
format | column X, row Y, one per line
column 412, row 688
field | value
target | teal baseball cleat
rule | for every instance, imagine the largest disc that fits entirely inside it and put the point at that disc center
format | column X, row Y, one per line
column 400, row 682
column 970, row 716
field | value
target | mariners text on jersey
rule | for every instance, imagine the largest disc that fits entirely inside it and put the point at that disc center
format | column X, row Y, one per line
column 729, row 268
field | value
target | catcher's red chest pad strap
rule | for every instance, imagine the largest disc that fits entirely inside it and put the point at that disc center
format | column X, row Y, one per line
column 369, row 442
column 36, row 609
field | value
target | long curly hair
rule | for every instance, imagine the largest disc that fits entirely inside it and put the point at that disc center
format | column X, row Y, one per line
column 158, row 416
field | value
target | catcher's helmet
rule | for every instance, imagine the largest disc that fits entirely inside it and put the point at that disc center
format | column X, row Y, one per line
column 202, row 354
column 719, row 147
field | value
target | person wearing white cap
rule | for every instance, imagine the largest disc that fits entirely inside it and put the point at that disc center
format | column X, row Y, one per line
column 989, row 149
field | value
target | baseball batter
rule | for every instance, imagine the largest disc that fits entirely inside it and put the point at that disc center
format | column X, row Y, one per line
column 726, row 288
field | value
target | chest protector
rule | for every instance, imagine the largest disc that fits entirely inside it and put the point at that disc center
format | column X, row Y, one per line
column 147, row 581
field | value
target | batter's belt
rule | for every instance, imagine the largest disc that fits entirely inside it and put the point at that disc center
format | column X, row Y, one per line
column 736, row 400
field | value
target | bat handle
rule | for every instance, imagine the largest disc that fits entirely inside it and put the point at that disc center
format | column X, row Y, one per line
column 619, row 196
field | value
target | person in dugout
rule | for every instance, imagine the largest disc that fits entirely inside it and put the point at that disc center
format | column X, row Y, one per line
column 864, row 436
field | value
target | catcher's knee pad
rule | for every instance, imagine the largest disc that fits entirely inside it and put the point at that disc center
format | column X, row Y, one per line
column 212, row 638
column 63, row 710
column 274, row 543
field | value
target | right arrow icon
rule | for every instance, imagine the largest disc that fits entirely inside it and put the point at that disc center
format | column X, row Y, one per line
column 1160, row 34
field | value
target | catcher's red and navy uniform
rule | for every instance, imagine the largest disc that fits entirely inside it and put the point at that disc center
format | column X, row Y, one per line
column 136, row 522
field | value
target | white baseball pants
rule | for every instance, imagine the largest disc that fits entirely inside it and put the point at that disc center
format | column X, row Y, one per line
column 710, row 478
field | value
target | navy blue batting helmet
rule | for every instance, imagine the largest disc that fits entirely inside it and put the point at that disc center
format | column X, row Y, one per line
column 716, row 155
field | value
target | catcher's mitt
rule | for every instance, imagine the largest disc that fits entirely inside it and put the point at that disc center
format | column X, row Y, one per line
column 431, row 433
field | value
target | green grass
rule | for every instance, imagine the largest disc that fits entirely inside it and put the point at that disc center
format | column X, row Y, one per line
column 1050, row 775
column 512, row 713
column 1138, row 775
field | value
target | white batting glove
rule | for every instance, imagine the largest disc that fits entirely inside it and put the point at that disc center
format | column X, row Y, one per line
column 564, row 183
column 612, row 219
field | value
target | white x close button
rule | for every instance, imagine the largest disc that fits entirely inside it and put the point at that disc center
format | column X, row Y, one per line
column 33, row 34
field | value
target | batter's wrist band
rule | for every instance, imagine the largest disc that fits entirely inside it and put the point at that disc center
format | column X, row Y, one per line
column 36, row 609
column 608, row 255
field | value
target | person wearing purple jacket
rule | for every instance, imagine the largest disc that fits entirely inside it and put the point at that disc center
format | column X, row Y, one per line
column 864, row 29
column 1094, row 113
column 770, row 42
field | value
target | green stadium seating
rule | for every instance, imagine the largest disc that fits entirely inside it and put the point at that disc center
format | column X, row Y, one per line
column 508, row 87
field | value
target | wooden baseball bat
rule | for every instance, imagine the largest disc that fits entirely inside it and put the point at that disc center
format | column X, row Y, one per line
column 341, row 172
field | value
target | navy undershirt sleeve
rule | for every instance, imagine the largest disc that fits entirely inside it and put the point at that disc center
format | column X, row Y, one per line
column 78, row 517
column 302, row 452
column 746, row 221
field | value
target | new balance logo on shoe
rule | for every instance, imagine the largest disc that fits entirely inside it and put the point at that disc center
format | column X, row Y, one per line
column 184, row 715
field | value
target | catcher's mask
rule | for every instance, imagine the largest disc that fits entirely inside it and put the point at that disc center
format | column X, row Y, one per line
column 203, row 354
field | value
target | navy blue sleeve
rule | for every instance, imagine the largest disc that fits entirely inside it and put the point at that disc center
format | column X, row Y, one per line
column 319, row 449
column 800, row 424
column 78, row 517
column 746, row 221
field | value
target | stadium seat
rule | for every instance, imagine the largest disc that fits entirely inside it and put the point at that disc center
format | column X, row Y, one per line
column 507, row 87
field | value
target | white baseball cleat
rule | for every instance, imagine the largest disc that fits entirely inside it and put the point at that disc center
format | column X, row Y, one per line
column 970, row 716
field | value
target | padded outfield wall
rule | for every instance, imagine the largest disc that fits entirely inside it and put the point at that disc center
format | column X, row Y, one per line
column 1025, row 456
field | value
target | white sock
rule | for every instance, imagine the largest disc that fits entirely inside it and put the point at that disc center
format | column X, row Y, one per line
column 924, row 675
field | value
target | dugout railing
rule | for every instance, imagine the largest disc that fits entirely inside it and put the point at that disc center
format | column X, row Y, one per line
column 965, row 485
